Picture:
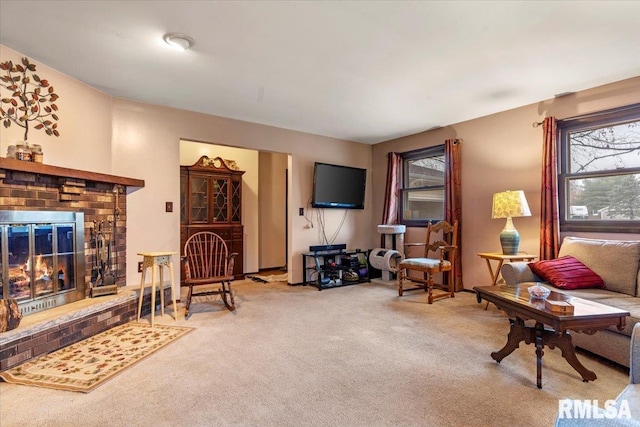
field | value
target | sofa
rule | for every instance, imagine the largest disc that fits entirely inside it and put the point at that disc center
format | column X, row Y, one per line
column 617, row 416
column 617, row 263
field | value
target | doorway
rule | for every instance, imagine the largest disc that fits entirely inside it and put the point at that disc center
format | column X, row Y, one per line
column 264, row 200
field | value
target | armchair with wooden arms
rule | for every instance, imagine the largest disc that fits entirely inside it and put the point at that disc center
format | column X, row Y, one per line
column 206, row 264
column 426, row 267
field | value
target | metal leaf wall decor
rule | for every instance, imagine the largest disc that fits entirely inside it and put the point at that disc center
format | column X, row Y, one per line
column 30, row 99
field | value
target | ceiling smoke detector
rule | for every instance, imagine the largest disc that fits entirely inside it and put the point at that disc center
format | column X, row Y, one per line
column 179, row 41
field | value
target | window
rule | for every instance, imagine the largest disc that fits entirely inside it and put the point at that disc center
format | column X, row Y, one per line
column 599, row 171
column 422, row 193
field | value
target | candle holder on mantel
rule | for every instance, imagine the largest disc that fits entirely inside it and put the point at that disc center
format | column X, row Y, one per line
column 26, row 152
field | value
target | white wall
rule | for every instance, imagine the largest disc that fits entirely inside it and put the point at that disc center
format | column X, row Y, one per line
column 136, row 140
column 152, row 133
column 132, row 139
column 501, row 152
column 85, row 123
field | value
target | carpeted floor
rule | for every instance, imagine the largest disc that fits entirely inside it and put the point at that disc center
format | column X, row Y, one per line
column 351, row 356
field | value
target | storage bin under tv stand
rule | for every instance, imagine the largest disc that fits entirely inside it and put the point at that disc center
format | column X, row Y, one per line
column 317, row 265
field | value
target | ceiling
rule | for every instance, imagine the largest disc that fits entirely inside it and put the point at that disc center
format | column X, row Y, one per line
column 357, row 70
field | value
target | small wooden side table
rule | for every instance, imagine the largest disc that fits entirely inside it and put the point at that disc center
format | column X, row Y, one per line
column 501, row 258
column 159, row 259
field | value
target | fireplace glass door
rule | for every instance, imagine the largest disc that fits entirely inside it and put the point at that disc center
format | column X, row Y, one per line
column 40, row 257
column 40, row 260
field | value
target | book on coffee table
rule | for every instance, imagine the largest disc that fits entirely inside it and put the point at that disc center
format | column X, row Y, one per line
column 559, row 306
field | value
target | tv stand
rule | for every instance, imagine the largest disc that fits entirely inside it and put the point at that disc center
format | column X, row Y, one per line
column 335, row 267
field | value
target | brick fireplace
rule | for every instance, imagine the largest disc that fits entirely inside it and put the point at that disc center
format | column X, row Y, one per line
column 28, row 186
column 101, row 199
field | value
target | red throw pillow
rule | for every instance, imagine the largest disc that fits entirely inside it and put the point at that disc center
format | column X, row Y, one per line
column 567, row 273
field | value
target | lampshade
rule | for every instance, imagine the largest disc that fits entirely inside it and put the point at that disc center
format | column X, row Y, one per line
column 510, row 204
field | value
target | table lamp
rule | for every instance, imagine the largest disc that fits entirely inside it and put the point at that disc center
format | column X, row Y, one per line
column 510, row 204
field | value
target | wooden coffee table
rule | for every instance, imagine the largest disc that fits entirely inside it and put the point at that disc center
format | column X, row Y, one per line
column 551, row 328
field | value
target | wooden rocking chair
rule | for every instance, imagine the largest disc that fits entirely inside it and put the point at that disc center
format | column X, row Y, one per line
column 445, row 249
column 206, row 263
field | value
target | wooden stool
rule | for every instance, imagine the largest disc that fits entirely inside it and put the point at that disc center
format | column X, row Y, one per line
column 160, row 259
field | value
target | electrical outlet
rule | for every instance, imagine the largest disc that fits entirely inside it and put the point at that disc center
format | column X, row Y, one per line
column 140, row 267
column 301, row 211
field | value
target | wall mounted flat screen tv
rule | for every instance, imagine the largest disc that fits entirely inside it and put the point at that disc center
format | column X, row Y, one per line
column 336, row 186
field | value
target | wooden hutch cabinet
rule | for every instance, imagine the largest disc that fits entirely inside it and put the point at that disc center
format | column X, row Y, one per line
column 211, row 200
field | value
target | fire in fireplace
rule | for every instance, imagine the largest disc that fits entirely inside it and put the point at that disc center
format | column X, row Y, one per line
column 41, row 258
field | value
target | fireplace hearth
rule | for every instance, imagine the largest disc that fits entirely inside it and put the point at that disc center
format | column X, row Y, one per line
column 42, row 261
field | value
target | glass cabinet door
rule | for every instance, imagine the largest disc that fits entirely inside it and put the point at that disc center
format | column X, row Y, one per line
column 220, row 200
column 183, row 199
column 199, row 199
column 235, row 201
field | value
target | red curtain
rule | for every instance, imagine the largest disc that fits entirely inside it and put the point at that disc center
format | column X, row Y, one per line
column 390, row 212
column 549, row 217
column 453, row 199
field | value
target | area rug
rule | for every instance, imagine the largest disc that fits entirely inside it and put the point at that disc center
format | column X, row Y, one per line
column 268, row 278
column 85, row 365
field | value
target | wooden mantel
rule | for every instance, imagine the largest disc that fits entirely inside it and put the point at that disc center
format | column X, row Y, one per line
column 56, row 171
